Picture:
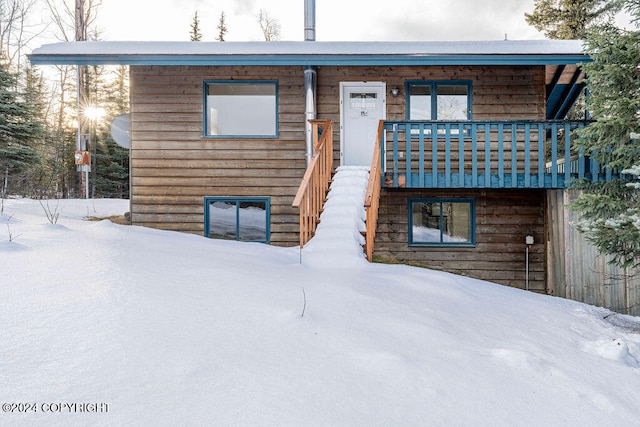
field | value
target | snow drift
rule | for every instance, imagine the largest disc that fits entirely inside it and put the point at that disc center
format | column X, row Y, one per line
column 174, row 329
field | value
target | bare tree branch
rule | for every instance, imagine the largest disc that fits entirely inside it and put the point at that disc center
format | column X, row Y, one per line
column 269, row 25
column 15, row 30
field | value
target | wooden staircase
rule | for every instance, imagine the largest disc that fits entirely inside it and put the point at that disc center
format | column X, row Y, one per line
column 312, row 193
column 313, row 189
column 372, row 196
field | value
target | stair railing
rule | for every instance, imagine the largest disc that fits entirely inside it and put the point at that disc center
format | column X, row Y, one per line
column 314, row 187
column 372, row 196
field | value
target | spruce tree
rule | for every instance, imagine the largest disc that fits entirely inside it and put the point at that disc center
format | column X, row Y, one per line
column 112, row 161
column 195, row 34
column 611, row 210
column 570, row 19
column 20, row 129
column 41, row 176
column 222, row 28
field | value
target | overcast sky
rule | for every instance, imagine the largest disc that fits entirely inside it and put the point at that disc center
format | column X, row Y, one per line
column 347, row 20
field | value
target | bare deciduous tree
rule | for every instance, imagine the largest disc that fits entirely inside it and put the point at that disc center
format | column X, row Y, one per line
column 63, row 16
column 73, row 20
column 16, row 30
column 269, row 25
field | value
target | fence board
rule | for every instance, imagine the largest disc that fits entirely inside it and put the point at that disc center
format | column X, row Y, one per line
column 588, row 276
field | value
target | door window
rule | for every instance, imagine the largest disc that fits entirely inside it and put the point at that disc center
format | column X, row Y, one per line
column 362, row 101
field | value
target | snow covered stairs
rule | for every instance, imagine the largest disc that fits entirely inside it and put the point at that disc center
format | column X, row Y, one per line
column 338, row 240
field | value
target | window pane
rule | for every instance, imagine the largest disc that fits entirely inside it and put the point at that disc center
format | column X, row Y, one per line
column 453, row 102
column 426, row 222
column 253, row 221
column 420, row 102
column 441, row 222
column 222, row 220
column 362, row 101
column 241, row 109
column 456, row 220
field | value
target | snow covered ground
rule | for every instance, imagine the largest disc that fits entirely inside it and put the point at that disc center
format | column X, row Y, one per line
column 103, row 324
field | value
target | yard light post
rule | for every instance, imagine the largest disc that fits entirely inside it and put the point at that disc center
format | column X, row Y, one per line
column 93, row 114
column 529, row 242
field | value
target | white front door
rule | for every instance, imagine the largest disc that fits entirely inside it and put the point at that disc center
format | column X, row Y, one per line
column 362, row 106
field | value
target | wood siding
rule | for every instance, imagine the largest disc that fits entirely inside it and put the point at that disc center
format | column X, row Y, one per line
column 503, row 219
column 498, row 93
column 173, row 166
column 505, row 92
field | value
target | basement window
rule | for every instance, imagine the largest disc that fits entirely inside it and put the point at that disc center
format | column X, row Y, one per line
column 237, row 218
column 241, row 109
column 442, row 222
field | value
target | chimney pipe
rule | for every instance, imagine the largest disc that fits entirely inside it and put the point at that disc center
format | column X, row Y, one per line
column 310, row 20
column 309, row 77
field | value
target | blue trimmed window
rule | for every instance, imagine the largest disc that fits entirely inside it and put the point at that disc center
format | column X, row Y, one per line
column 237, row 218
column 442, row 222
column 241, row 108
column 448, row 100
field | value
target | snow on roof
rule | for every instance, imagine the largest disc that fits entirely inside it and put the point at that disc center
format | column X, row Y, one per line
column 311, row 53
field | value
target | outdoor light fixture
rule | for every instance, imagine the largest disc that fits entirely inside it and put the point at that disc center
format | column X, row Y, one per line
column 529, row 242
column 395, row 91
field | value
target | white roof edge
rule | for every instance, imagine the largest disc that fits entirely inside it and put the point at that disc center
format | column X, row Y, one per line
column 306, row 48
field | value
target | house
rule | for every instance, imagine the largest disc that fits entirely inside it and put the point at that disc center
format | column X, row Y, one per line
column 474, row 147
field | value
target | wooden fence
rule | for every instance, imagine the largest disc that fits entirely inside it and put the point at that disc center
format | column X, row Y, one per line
column 576, row 270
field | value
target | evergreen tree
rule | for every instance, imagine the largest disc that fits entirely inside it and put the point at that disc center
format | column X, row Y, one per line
column 62, row 134
column 109, row 93
column 117, row 91
column 112, row 169
column 112, row 161
column 195, row 34
column 570, row 19
column 20, row 129
column 611, row 210
column 222, row 28
column 41, row 176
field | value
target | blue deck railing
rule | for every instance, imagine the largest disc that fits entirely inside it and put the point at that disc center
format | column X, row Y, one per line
column 484, row 154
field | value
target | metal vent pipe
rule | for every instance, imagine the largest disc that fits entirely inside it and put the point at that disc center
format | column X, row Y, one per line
column 309, row 77
column 309, row 20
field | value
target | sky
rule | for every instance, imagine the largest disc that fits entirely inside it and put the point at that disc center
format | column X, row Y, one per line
column 106, row 324
column 336, row 20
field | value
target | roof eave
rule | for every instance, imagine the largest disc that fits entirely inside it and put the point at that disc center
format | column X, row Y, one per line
column 308, row 60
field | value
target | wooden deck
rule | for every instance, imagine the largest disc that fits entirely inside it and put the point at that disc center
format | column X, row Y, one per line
column 485, row 154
